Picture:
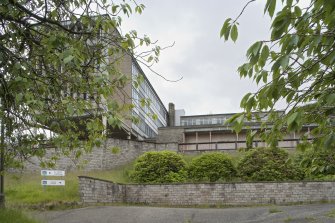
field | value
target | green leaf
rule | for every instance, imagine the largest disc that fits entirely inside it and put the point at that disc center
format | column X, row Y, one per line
column 154, row 116
column 265, row 76
column 331, row 99
column 68, row 59
column 234, row 33
column 293, row 118
column 284, row 61
column 225, row 29
column 113, row 121
column 270, row 6
column 297, row 11
column 265, row 52
column 254, row 49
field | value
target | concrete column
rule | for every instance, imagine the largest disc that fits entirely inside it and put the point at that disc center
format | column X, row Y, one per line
column 236, row 147
column 196, row 140
column 184, row 147
column 210, row 139
column 104, row 122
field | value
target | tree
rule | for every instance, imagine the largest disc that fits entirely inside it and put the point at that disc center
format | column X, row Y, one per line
column 59, row 63
column 295, row 64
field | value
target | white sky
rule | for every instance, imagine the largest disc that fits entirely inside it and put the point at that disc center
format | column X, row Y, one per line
column 207, row 64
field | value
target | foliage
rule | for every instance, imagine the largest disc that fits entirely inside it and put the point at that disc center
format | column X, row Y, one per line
column 317, row 162
column 14, row 216
column 60, row 60
column 296, row 65
column 211, row 167
column 268, row 164
column 159, row 167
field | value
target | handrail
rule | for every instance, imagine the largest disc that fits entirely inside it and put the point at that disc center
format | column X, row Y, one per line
column 227, row 145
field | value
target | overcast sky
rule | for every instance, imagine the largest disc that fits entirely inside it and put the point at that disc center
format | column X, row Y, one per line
column 207, row 64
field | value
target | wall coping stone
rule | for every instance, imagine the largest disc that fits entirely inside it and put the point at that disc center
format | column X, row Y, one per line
column 213, row 183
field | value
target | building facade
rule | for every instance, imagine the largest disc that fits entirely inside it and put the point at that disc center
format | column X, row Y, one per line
column 143, row 119
column 148, row 112
column 209, row 132
column 151, row 115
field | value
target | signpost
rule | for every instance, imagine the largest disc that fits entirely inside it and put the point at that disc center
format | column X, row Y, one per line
column 56, row 173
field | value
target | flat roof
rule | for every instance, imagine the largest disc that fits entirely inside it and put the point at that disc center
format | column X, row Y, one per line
column 224, row 114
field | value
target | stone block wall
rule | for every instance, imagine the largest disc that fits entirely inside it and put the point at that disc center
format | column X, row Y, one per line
column 113, row 153
column 94, row 191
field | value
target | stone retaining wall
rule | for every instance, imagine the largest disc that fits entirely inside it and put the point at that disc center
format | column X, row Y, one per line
column 113, row 153
column 101, row 191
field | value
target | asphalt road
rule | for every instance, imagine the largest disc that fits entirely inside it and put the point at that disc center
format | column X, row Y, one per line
column 318, row 213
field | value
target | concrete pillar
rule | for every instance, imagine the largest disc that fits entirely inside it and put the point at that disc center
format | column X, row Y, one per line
column 196, row 140
column 210, row 139
column 236, row 147
column 104, row 122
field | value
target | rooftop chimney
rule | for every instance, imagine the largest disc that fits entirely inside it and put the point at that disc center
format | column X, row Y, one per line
column 171, row 121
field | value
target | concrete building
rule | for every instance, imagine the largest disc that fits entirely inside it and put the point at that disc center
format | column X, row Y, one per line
column 136, row 90
column 147, row 127
column 209, row 132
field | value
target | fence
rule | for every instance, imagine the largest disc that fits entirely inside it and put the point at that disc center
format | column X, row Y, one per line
column 233, row 145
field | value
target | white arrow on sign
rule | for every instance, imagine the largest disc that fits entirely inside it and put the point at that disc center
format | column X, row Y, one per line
column 53, row 182
column 58, row 173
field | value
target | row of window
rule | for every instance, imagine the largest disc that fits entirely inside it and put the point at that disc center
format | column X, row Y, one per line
column 203, row 121
column 144, row 127
column 186, row 121
column 145, row 91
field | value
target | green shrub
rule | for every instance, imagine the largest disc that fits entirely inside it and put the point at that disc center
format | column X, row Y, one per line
column 317, row 163
column 211, row 167
column 266, row 164
column 159, row 167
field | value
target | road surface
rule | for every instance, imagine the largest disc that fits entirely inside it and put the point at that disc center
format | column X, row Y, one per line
column 318, row 213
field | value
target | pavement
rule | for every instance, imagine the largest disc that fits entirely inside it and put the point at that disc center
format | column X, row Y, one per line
column 318, row 213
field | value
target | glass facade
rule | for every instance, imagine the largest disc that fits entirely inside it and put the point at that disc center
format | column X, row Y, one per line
column 213, row 119
column 147, row 126
column 204, row 120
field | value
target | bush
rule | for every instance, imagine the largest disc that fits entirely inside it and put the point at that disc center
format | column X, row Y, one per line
column 159, row 167
column 211, row 167
column 317, row 163
column 265, row 164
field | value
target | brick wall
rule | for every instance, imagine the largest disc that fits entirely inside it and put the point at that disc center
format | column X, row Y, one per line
column 103, row 157
column 94, row 190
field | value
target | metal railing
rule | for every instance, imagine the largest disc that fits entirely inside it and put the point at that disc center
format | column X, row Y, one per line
column 233, row 145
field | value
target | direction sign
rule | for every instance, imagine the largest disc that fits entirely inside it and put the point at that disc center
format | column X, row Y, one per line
column 53, row 173
column 53, row 182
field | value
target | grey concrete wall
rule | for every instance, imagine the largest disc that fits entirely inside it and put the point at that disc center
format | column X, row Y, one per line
column 94, row 190
column 170, row 135
column 113, row 153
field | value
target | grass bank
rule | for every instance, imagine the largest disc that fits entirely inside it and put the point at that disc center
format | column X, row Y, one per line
column 25, row 190
column 15, row 216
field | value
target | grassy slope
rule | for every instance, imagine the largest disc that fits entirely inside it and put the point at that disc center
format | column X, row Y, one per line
column 14, row 216
column 26, row 190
